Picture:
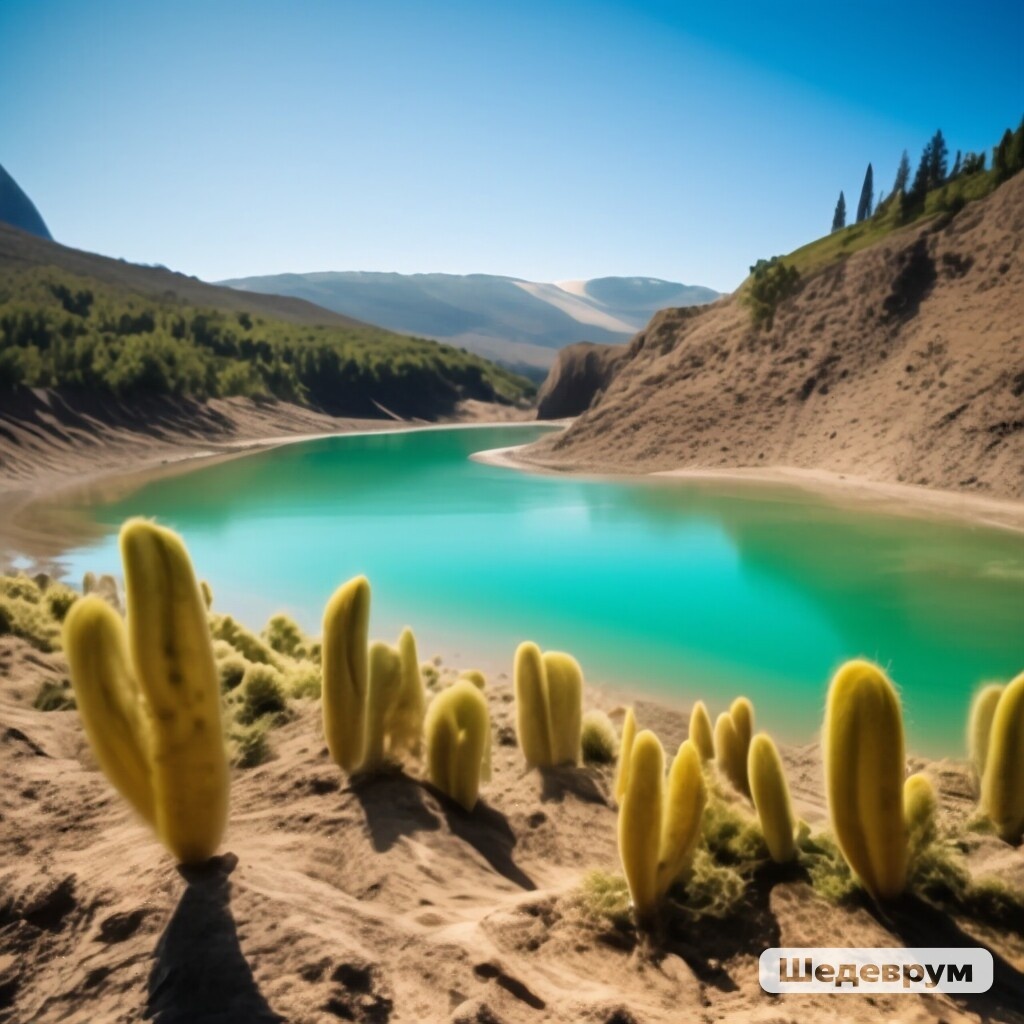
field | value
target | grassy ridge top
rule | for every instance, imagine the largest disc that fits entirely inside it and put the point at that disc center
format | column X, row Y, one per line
column 64, row 329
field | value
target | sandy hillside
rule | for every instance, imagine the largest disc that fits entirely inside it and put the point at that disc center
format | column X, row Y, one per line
column 378, row 901
column 903, row 363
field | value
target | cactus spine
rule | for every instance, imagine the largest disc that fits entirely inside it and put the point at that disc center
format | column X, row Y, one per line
column 770, row 793
column 1002, row 785
column 625, row 753
column 549, row 706
column 457, row 727
column 864, row 769
column 657, row 831
column 346, row 672
column 729, row 752
column 151, row 706
column 979, row 728
column 701, row 733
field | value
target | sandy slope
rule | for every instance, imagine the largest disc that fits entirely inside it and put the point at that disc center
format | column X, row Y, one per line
column 903, row 363
column 380, row 902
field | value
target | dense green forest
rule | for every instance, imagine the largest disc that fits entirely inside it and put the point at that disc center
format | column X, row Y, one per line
column 61, row 330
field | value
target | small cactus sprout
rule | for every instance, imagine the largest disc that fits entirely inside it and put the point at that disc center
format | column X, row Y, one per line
column 659, row 830
column 920, row 807
column 475, row 676
column 701, row 732
column 729, row 752
column 346, row 672
column 770, row 793
column 598, row 740
column 1002, row 785
column 864, row 769
column 457, row 726
column 979, row 728
column 625, row 753
column 149, row 695
column 549, row 706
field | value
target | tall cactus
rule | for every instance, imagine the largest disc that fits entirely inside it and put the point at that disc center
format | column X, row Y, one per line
column 979, row 727
column 1002, row 785
column 920, row 807
column 549, row 706
column 151, row 705
column 864, row 769
column 346, row 672
column 457, row 727
column 625, row 754
column 770, row 792
column 657, row 831
column 405, row 725
column 701, row 733
column 730, row 753
column 382, row 695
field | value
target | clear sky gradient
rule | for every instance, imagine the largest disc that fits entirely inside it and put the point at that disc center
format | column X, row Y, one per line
column 540, row 140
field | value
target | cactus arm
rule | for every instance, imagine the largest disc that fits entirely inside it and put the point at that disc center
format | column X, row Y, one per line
column 533, row 723
column 742, row 713
column 345, row 672
column 565, row 706
column 1002, row 786
column 729, row 752
column 385, row 687
column 625, row 753
column 108, row 700
column 979, row 728
column 640, row 822
column 701, row 733
column 864, row 769
column 476, row 677
column 770, row 792
column 169, row 639
column 684, row 807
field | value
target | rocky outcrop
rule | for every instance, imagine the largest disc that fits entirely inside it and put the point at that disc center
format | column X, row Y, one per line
column 580, row 373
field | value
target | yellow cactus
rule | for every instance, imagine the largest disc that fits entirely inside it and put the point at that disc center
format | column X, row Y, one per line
column 151, row 706
column 549, row 706
column 729, row 752
column 1002, row 785
column 684, row 807
column 979, row 728
column 625, row 753
column 658, row 832
column 770, row 792
column 475, row 676
column 640, row 823
column 383, row 691
column 346, row 672
column 405, row 724
column 701, row 733
column 741, row 711
column 864, row 769
column 457, row 727
column 920, row 807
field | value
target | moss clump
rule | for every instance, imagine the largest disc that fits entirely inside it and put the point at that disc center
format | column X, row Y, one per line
column 55, row 697
column 283, row 635
column 303, row 680
column 250, row 745
column 603, row 898
column 263, row 694
column 710, row 890
column 731, row 836
column 59, row 599
column 232, row 669
column 20, row 588
column 598, row 741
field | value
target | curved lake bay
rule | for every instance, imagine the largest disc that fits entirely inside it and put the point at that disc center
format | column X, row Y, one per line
column 676, row 588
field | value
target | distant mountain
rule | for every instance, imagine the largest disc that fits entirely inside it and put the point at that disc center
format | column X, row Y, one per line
column 505, row 318
column 17, row 209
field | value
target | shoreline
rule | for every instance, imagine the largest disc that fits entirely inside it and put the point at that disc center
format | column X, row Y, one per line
column 906, row 500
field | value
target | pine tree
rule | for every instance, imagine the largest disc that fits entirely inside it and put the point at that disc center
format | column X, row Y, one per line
column 937, row 161
column 902, row 174
column 1001, row 157
column 1015, row 157
column 839, row 217
column 867, row 193
column 956, row 166
column 919, row 189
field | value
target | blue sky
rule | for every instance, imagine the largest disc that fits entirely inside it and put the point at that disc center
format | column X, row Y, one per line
column 540, row 140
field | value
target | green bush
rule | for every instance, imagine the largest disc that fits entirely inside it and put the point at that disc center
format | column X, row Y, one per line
column 232, row 671
column 771, row 281
column 250, row 646
column 303, row 680
column 59, row 599
column 284, row 636
column 262, row 694
column 250, row 745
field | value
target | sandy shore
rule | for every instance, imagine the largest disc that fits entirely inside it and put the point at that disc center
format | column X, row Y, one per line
column 838, row 488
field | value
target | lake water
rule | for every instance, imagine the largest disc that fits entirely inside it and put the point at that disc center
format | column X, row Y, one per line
column 674, row 588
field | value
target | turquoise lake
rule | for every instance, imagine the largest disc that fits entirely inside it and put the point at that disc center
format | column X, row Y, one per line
column 664, row 587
